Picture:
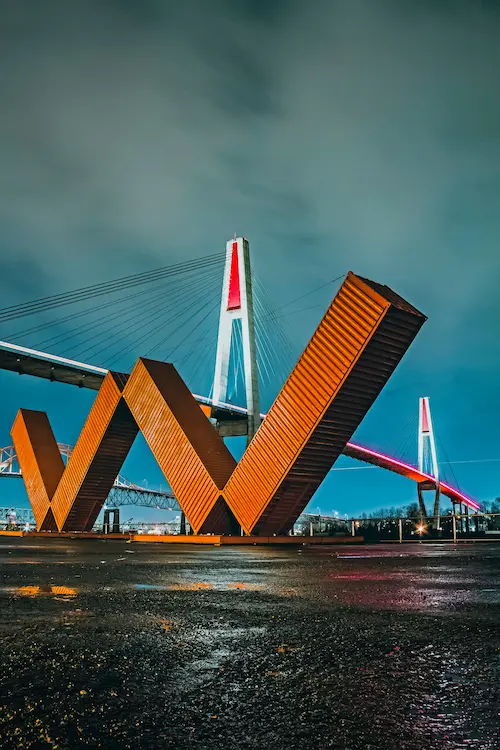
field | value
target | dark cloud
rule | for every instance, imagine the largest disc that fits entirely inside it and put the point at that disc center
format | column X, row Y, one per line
column 159, row 126
column 335, row 134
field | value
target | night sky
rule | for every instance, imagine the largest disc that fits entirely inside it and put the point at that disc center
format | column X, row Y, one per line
column 335, row 135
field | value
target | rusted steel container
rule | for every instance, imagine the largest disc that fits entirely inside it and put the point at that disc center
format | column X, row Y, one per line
column 356, row 347
column 40, row 462
column 192, row 456
column 97, row 458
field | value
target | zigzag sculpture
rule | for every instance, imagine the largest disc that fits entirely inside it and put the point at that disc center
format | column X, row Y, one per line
column 353, row 352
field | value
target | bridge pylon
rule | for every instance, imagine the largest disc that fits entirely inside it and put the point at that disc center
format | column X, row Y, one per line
column 237, row 305
column 427, row 456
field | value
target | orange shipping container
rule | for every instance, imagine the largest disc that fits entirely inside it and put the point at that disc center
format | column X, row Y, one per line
column 192, row 456
column 103, row 445
column 362, row 337
column 40, row 462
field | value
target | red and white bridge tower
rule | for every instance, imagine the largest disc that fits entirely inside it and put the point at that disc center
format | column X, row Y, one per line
column 237, row 304
column 427, row 455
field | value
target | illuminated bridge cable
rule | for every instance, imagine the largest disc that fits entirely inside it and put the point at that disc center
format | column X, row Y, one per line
column 179, row 305
column 194, row 348
column 267, row 357
column 204, row 336
column 281, row 347
column 296, row 312
column 283, row 360
column 238, row 364
column 208, row 338
column 262, row 325
column 109, row 303
column 447, row 462
column 125, row 282
column 73, row 316
column 162, row 283
column 96, row 290
column 407, row 438
column 157, row 301
column 198, row 323
column 147, row 296
column 205, row 359
column 91, row 325
column 263, row 362
column 149, row 334
column 200, row 309
column 303, row 296
column 267, row 313
column 149, row 315
column 159, row 312
column 202, row 361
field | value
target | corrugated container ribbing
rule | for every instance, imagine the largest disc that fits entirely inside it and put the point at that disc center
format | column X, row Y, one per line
column 300, row 439
column 97, row 458
column 348, row 408
column 191, row 455
column 40, row 462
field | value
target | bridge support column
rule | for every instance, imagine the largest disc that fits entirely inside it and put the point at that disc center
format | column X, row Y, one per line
column 116, row 521
column 237, row 305
column 421, row 502
column 182, row 529
column 111, row 527
column 427, row 459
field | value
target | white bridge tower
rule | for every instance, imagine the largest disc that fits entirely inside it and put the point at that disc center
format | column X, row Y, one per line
column 427, row 456
column 237, row 304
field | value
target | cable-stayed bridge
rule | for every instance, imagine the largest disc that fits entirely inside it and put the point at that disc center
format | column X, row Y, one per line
column 171, row 314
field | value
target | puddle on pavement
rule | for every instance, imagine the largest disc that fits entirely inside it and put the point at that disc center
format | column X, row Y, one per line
column 198, row 586
column 67, row 592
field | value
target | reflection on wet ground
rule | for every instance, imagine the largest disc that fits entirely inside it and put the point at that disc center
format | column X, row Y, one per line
column 136, row 646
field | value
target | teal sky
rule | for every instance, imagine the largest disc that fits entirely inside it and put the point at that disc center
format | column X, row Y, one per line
column 336, row 136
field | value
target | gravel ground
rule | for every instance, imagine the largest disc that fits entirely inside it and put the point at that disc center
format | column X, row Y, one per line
column 115, row 645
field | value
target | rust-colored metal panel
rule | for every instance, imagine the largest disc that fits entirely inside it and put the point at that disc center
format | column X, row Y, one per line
column 40, row 462
column 206, row 409
column 103, row 445
column 192, row 456
column 353, row 352
column 355, row 349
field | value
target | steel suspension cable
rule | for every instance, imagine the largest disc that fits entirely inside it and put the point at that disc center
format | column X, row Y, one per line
column 200, row 309
column 96, row 308
column 268, row 347
column 264, row 359
column 180, row 291
column 46, row 303
column 105, row 305
column 263, row 301
column 201, row 360
column 317, row 289
column 286, row 345
column 194, row 344
column 149, row 334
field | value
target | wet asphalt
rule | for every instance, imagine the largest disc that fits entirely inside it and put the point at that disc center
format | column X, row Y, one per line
column 118, row 645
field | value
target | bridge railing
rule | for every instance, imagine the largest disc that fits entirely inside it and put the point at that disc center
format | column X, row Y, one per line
column 449, row 527
column 390, row 529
